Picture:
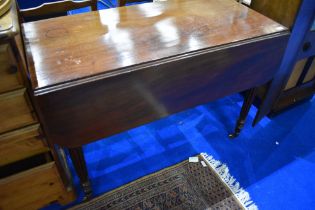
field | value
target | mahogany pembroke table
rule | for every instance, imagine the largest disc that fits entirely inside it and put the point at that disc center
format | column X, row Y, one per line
column 100, row 73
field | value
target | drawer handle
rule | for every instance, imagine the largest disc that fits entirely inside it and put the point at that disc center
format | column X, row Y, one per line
column 12, row 69
column 307, row 46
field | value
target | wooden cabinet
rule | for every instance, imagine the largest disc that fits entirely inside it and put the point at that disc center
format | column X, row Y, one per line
column 33, row 188
column 282, row 11
column 10, row 77
column 29, row 176
column 16, row 110
column 21, row 143
column 295, row 80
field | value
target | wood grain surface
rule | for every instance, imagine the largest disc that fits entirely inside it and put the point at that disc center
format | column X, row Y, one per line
column 282, row 11
column 33, row 188
column 101, row 73
column 15, row 110
column 10, row 77
column 20, row 144
column 88, row 112
column 67, row 50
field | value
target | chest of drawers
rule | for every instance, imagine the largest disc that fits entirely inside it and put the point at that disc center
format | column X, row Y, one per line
column 29, row 176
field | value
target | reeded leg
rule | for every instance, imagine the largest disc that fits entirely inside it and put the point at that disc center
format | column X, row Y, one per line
column 78, row 161
column 248, row 101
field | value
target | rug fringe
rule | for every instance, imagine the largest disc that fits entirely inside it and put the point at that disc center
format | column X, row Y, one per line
column 223, row 171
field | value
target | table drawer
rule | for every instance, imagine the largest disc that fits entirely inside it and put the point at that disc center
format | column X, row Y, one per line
column 15, row 110
column 32, row 189
column 10, row 77
column 19, row 144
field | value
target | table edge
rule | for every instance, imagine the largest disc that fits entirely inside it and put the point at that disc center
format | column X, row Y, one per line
column 129, row 69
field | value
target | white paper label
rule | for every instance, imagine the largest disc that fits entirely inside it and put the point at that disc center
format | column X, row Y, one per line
column 193, row 159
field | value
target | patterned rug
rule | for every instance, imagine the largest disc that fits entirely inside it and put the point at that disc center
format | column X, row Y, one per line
column 198, row 183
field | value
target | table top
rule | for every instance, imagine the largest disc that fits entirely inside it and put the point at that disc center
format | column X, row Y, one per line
column 68, row 50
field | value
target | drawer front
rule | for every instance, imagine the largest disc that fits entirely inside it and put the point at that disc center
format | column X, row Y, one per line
column 32, row 189
column 15, row 111
column 10, row 77
column 310, row 73
column 296, row 73
column 20, row 144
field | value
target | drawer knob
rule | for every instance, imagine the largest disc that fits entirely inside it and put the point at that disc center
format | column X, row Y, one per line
column 12, row 70
column 307, row 46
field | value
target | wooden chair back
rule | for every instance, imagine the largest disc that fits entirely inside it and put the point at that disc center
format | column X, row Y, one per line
column 57, row 7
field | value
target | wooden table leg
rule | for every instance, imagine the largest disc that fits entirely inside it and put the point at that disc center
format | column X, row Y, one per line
column 248, row 101
column 78, row 161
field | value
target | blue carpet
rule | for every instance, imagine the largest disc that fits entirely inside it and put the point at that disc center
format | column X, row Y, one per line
column 274, row 162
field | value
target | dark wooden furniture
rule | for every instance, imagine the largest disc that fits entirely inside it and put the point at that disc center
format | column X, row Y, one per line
column 29, row 175
column 282, row 11
column 56, row 8
column 295, row 81
column 122, row 3
column 100, row 73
